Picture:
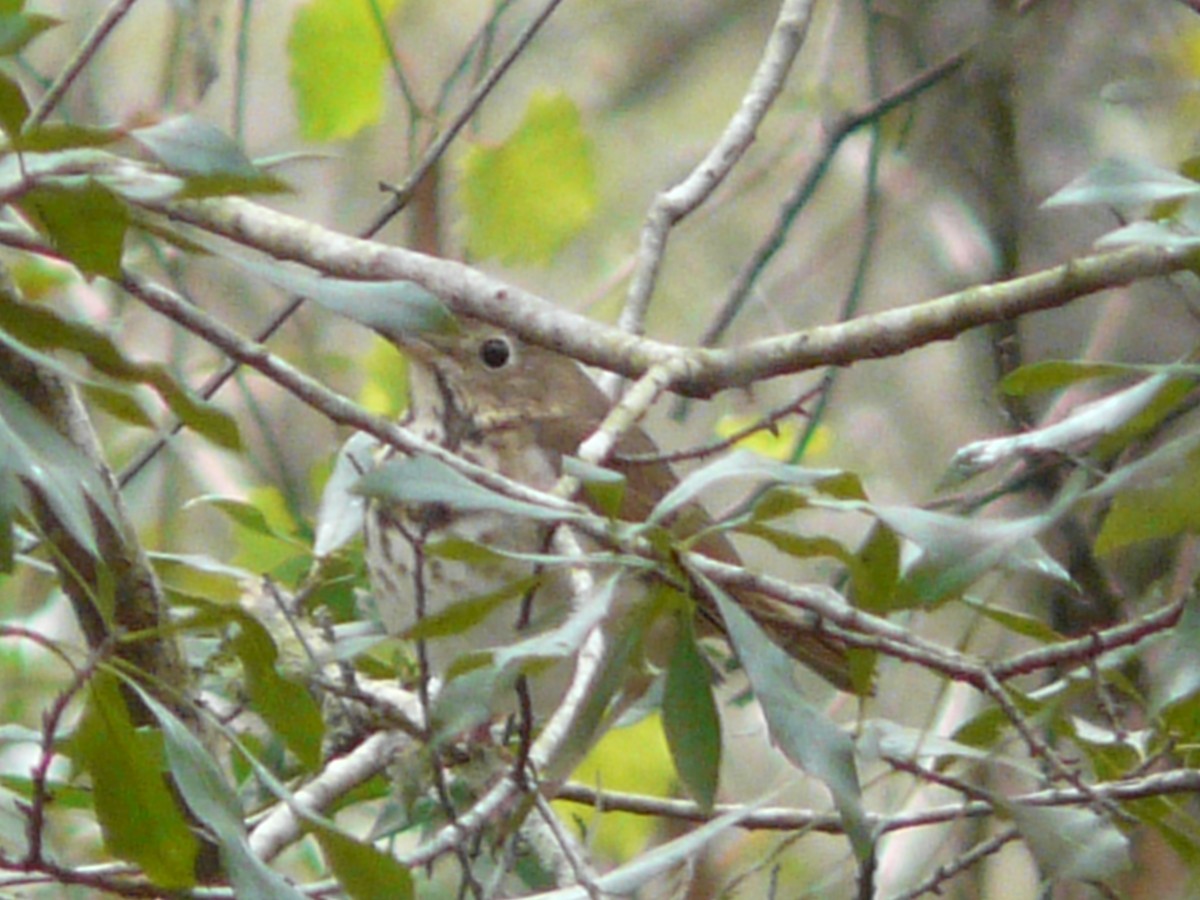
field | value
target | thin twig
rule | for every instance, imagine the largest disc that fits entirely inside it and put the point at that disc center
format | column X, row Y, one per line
column 739, row 291
column 671, row 206
column 481, row 92
column 83, row 55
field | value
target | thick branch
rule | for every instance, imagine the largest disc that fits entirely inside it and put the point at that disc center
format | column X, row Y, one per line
column 695, row 372
column 118, row 567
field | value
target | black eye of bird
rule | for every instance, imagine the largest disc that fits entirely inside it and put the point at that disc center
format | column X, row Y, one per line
column 495, row 352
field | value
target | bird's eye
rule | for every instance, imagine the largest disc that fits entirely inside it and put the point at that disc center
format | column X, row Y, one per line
column 495, row 352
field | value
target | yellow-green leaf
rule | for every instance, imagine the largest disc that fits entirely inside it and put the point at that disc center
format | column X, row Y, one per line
column 338, row 58
column 530, row 195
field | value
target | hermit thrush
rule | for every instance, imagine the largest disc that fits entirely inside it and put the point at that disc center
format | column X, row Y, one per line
column 518, row 409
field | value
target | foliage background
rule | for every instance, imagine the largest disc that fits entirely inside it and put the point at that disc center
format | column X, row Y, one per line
column 944, row 193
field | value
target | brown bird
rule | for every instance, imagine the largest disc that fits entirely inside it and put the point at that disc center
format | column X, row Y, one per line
column 518, row 409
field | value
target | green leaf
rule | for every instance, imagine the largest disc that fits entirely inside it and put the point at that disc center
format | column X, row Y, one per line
column 210, row 162
column 134, row 805
column 1052, row 375
column 1016, row 622
column 337, row 61
column 53, row 136
column 690, row 719
column 363, row 872
column 1124, row 183
column 743, row 464
column 1162, row 509
column 875, row 570
column 14, row 108
column 1104, row 426
column 41, row 327
column 955, row 551
column 465, row 614
column 604, row 487
column 1075, row 844
column 530, row 195
column 117, row 402
column 17, row 29
column 802, row 732
column 209, row 796
column 797, row 545
column 86, row 224
column 422, row 479
column 34, row 452
column 287, row 707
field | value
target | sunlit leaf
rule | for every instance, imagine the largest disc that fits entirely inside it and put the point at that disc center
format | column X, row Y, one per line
column 628, row 757
column 340, row 516
column 777, row 442
column 528, row 196
column 336, row 36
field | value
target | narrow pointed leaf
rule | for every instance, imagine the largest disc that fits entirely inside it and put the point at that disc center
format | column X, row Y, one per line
column 134, row 805
column 211, row 798
column 690, row 720
column 363, row 872
column 801, row 731
column 422, row 479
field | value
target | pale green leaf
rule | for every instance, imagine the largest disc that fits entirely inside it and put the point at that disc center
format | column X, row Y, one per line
column 337, row 61
column 1123, row 183
column 422, row 479
column 802, row 732
column 209, row 161
column 528, row 196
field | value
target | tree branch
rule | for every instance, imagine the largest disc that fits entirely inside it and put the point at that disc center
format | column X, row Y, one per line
column 698, row 373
